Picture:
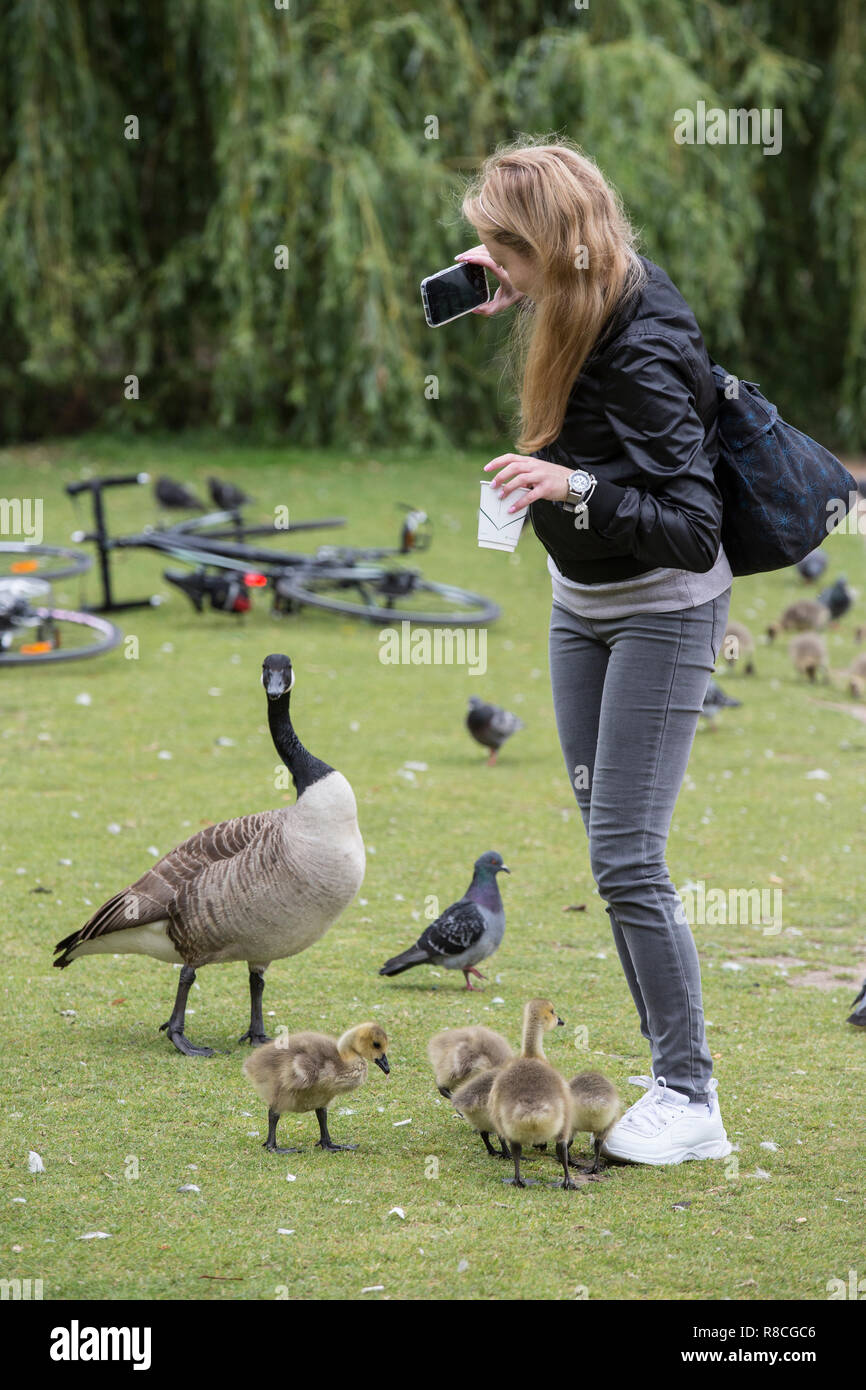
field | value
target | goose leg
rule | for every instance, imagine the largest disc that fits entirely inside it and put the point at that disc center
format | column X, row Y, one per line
column 256, row 1034
column 174, row 1026
column 271, row 1142
column 597, row 1164
column 516, row 1151
column 325, row 1141
column 562, row 1155
column 494, row 1153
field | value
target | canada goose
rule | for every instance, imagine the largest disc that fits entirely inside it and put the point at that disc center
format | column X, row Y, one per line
column 305, row 1071
column 739, row 645
column 256, row 888
column 467, row 932
column 491, row 726
column 809, row 654
column 459, row 1053
column 530, row 1102
column 806, row 615
column 471, row 1100
column 596, row 1108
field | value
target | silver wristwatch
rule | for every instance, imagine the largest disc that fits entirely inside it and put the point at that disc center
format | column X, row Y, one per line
column 581, row 486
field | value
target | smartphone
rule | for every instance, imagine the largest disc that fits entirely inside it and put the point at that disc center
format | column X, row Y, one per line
column 452, row 292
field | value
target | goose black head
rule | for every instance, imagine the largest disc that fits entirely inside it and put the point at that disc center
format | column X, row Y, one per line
column 491, row 864
column 278, row 676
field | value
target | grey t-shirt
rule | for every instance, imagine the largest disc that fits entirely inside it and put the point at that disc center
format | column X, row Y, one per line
column 657, row 591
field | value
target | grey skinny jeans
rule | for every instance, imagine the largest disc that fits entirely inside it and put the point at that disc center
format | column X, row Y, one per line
column 627, row 693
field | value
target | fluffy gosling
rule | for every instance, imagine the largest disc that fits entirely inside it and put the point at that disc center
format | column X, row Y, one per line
column 739, row 646
column 596, row 1108
column 305, row 1071
column 530, row 1102
column 472, row 1103
column 809, row 655
column 459, row 1053
column 806, row 615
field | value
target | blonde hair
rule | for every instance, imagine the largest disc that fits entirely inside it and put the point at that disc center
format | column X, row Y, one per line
column 548, row 201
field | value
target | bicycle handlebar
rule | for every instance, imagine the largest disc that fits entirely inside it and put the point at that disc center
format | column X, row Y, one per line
column 97, row 484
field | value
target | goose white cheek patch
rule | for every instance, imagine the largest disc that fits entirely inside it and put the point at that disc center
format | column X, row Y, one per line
column 499, row 529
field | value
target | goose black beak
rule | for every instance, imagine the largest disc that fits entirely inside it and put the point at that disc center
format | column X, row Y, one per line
column 560, row 1022
column 384, row 1064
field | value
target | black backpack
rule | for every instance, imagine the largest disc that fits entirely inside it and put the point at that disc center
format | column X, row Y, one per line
column 782, row 493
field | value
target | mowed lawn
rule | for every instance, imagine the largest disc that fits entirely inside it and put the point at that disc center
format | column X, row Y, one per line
column 91, row 790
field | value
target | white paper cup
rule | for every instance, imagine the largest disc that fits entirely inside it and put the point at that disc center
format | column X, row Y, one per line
column 499, row 529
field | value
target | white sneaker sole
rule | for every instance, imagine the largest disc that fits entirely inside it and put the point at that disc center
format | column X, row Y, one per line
column 712, row 1148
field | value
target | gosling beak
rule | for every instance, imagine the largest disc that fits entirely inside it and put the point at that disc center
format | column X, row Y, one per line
column 560, row 1022
column 384, row 1064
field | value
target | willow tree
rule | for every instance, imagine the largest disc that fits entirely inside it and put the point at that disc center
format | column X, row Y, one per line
column 235, row 203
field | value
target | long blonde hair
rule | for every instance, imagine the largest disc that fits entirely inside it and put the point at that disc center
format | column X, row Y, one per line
column 550, row 202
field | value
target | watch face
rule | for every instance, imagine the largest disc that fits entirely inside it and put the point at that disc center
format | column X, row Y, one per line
column 579, row 481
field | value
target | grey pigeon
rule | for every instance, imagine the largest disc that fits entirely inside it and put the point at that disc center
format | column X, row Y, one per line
column 838, row 598
column 467, row 932
column 226, row 496
column 813, row 565
column 491, row 726
column 859, row 1014
column 716, row 699
column 175, row 496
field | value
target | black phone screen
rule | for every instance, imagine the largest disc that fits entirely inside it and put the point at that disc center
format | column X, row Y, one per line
column 454, row 292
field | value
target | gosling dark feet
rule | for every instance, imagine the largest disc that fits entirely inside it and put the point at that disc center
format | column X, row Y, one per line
column 275, row 1149
column 333, row 1148
column 254, row 1039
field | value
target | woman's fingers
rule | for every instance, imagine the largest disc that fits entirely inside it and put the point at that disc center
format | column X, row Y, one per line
column 543, row 479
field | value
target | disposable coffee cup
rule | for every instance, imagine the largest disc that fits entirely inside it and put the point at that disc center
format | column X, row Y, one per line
column 499, row 529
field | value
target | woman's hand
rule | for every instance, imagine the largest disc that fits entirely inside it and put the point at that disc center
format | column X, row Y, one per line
column 545, row 480
column 505, row 295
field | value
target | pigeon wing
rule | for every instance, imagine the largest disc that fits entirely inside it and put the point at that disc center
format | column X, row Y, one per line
column 459, row 927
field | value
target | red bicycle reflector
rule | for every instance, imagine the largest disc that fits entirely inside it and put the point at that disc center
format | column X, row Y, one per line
column 255, row 581
column 241, row 604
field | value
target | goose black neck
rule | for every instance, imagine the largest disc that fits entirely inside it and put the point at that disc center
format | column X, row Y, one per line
column 305, row 769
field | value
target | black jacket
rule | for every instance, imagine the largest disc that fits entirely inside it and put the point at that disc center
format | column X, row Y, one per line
column 642, row 418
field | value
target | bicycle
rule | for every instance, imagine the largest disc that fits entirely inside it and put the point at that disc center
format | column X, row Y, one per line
column 352, row 582
column 33, row 633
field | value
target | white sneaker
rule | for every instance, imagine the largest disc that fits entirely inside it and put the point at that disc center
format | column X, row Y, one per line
column 662, row 1127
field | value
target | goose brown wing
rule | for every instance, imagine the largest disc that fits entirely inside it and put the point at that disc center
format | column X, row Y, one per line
column 159, row 893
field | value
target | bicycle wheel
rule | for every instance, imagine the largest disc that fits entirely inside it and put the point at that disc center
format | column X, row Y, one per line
column 383, row 596
column 57, row 634
column 48, row 562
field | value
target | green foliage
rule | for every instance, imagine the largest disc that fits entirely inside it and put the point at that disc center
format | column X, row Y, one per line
column 310, row 128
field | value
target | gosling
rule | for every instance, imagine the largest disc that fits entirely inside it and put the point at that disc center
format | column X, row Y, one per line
column 459, row 1053
column 305, row 1071
column 809, row 655
column 739, row 645
column 596, row 1107
column 530, row 1102
column 857, row 676
column 472, row 1103
column 806, row 615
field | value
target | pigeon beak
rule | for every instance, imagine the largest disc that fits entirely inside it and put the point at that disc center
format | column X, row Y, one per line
column 384, row 1064
column 504, row 869
column 560, row 1022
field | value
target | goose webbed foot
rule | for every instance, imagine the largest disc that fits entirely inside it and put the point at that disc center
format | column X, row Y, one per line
column 254, row 1039
column 182, row 1042
column 174, row 1026
column 271, row 1142
column 275, row 1149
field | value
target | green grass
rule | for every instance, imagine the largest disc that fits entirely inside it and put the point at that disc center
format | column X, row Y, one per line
column 102, row 1094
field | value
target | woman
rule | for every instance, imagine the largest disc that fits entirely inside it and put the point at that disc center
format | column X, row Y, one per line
column 618, row 442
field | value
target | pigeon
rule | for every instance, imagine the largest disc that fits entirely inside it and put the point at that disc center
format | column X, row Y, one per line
column 859, row 1014
column 813, row 565
column 716, row 699
column 175, row 496
column 491, row 726
column 467, row 932
column 838, row 598
column 226, row 496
